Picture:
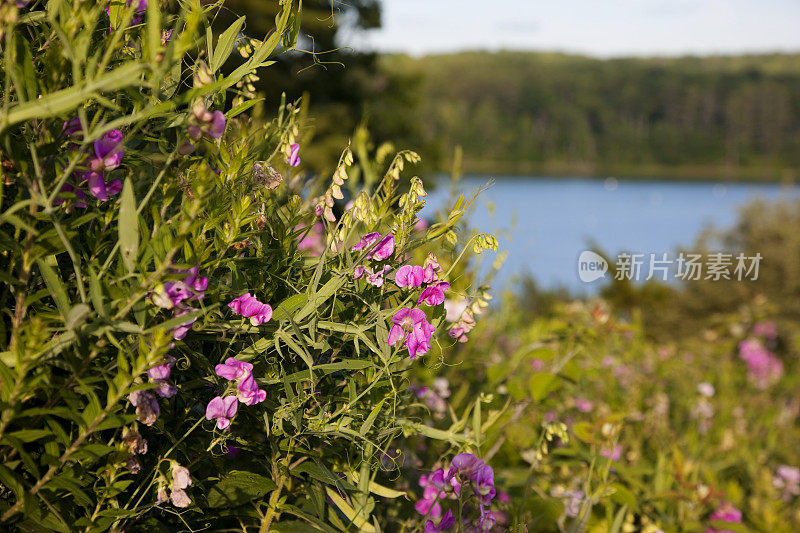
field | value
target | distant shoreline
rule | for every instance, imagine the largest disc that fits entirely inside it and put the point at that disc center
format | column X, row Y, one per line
column 643, row 173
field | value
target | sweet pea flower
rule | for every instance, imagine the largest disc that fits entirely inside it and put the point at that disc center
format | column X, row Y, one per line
column 234, row 369
column 765, row 329
column 249, row 393
column 248, row 306
column 409, row 276
column 434, row 294
column 366, row 241
column 108, row 151
column 146, row 404
column 222, row 410
column 179, row 498
column 166, row 390
column 80, row 196
column 163, row 370
column 612, row 453
column 484, row 483
column 180, row 477
column 583, row 405
column 204, row 122
column 293, row 158
column 725, row 513
column 412, row 327
column 383, row 249
column 98, row 187
column 787, row 480
column 447, row 521
column 179, row 332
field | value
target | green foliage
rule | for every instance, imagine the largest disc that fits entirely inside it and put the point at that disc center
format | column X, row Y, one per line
column 524, row 113
column 90, row 437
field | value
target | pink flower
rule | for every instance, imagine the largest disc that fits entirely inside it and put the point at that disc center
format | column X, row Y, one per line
column 179, row 498
column 412, row 327
column 249, row 393
column 583, row 405
column 294, row 155
column 373, row 278
column 409, row 276
column 764, row 369
column 613, row 454
column 434, row 294
column 383, row 249
column 248, row 306
column 180, row 477
column 234, row 369
column 222, row 410
column 765, row 329
column 725, row 513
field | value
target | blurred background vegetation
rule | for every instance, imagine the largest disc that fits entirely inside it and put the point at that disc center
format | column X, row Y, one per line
column 731, row 117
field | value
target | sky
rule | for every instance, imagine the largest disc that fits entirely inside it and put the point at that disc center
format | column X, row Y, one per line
column 603, row 28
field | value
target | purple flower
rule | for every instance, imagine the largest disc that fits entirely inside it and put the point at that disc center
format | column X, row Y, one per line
column 179, row 332
column 447, row 521
column 72, row 127
column 163, row 370
column 249, row 393
column 484, row 484
column 203, row 121
column 434, row 295
column 108, row 151
column 409, row 276
column 412, row 327
column 383, row 249
column 366, row 241
column 166, row 390
column 249, row 307
column 465, row 465
column 98, row 187
column 217, row 125
column 80, row 196
column 294, row 155
column 222, row 410
column 234, row 369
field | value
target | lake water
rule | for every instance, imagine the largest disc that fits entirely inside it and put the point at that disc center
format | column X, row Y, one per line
column 545, row 223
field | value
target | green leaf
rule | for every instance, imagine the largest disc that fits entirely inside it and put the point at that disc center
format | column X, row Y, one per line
column 239, row 487
column 128, row 227
column 63, row 101
column 289, row 306
column 365, row 427
column 225, row 44
column 320, row 297
column 541, row 384
column 77, row 316
column 55, row 287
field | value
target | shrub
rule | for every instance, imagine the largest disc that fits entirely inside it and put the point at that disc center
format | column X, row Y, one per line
column 193, row 337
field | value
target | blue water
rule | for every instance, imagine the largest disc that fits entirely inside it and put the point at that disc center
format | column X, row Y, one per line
column 545, row 223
